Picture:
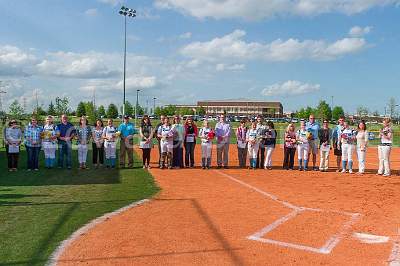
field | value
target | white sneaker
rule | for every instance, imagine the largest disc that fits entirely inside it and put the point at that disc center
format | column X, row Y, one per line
column 386, row 174
column 343, row 171
column 350, row 171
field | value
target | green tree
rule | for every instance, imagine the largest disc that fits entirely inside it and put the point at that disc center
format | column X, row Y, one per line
column 112, row 111
column 62, row 105
column 323, row 111
column 101, row 112
column 201, row 110
column 337, row 112
column 159, row 111
column 16, row 110
column 51, row 110
column 140, row 110
column 304, row 113
column 129, row 110
column 81, row 110
column 90, row 112
column 40, row 111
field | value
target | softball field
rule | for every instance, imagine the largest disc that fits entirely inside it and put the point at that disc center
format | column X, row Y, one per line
column 251, row 217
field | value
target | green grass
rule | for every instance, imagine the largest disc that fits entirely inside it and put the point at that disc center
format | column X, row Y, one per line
column 40, row 209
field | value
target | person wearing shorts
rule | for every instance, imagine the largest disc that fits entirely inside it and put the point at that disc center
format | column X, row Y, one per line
column 303, row 146
column 313, row 127
column 337, row 146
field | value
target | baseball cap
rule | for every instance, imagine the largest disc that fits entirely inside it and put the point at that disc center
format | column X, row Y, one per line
column 126, row 117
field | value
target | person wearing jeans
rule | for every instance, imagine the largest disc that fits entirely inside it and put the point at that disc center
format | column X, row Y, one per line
column 191, row 133
column 385, row 148
column 362, row 143
column 241, row 134
column 83, row 133
column 253, row 144
column 223, row 133
column 13, row 138
column 324, row 136
column 65, row 132
column 33, row 143
column 289, row 147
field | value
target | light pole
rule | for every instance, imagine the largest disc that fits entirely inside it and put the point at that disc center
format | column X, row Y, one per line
column 137, row 106
column 124, row 11
column 154, row 105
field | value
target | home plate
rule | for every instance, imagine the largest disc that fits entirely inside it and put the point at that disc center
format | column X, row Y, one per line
column 371, row 239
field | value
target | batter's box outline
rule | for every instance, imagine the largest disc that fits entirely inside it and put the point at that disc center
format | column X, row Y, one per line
column 296, row 210
column 325, row 249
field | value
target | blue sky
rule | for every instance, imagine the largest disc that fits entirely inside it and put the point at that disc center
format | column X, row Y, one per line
column 181, row 51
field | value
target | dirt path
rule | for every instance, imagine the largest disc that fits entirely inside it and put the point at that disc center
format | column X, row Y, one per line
column 212, row 217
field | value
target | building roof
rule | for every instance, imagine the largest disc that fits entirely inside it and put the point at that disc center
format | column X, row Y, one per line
column 240, row 102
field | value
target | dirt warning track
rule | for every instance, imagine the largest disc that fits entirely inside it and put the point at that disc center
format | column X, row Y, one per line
column 247, row 217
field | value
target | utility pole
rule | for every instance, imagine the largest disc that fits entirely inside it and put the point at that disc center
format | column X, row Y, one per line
column 37, row 101
column 154, row 105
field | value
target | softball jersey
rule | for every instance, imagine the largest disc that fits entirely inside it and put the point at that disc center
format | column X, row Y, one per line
column 110, row 142
column 384, row 150
column 49, row 145
column 302, row 144
column 206, row 146
column 167, row 135
column 253, row 143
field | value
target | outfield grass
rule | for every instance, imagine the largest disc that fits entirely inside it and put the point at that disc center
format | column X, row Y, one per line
column 40, row 209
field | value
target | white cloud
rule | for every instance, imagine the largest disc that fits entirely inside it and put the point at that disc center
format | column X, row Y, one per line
column 139, row 83
column 256, row 9
column 15, row 62
column 234, row 67
column 357, row 31
column 73, row 65
column 186, row 35
column 233, row 47
column 290, row 88
column 92, row 12
column 111, row 2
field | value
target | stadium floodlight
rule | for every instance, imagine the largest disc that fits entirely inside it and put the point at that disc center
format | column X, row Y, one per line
column 126, row 12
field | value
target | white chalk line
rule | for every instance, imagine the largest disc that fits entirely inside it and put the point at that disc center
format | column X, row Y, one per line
column 55, row 256
column 370, row 239
column 325, row 249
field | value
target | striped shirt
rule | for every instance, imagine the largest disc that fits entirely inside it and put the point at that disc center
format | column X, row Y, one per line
column 32, row 136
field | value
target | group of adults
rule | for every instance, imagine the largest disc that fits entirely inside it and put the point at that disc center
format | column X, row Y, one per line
column 177, row 141
column 58, row 138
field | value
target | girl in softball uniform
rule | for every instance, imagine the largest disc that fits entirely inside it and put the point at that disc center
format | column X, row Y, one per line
column 253, row 144
column 83, row 133
column 385, row 147
column 206, row 135
column 110, row 137
column 49, row 142
column 146, row 140
column 348, row 140
column 270, row 143
column 166, row 134
column 241, row 135
column 362, row 143
column 302, row 137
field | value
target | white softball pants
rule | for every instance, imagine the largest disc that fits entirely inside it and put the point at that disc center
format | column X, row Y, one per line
column 49, row 150
column 206, row 149
column 302, row 151
column 347, row 152
column 110, row 150
column 253, row 150
column 384, row 159
column 166, row 146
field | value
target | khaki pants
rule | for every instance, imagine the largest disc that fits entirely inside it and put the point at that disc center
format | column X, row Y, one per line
column 384, row 159
column 126, row 147
column 324, row 160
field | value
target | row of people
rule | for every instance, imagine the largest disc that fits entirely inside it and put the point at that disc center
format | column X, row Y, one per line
column 256, row 143
column 49, row 137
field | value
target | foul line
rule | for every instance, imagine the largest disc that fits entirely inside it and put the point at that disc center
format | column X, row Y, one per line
column 54, row 258
column 394, row 259
column 296, row 210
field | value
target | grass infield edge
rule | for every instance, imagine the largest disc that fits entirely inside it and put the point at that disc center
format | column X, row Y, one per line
column 55, row 256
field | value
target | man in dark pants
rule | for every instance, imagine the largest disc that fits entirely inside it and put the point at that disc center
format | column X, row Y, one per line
column 65, row 132
column 159, row 139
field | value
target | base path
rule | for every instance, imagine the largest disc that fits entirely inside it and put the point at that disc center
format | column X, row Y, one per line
column 252, row 217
